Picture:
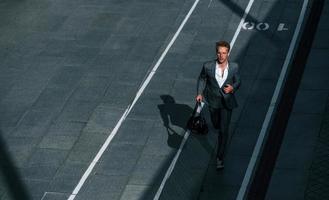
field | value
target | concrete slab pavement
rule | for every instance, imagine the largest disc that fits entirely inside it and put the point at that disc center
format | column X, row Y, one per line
column 301, row 170
column 83, row 64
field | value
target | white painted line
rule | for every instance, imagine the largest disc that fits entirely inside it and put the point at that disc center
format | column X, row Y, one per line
column 263, row 133
column 209, row 3
column 241, row 23
column 187, row 133
column 127, row 111
column 173, row 162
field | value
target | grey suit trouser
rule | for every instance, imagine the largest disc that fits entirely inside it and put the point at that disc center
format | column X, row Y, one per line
column 220, row 118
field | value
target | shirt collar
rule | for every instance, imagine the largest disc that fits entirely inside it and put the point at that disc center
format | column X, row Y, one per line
column 227, row 65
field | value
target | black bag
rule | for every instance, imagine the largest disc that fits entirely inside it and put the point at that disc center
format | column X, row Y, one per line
column 197, row 123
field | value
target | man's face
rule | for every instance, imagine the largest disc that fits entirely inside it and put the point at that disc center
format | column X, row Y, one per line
column 222, row 54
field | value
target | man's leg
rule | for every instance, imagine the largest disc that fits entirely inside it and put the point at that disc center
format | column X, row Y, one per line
column 215, row 117
column 223, row 135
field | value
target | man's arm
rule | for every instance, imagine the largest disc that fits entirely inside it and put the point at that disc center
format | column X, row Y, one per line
column 236, row 80
column 201, row 84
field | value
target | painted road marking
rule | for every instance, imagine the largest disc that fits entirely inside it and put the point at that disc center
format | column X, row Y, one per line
column 269, row 114
column 187, row 133
column 127, row 111
column 262, row 26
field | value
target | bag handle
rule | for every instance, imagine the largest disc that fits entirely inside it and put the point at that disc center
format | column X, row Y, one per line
column 196, row 107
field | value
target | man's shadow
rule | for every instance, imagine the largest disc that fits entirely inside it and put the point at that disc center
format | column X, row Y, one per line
column 174, row 117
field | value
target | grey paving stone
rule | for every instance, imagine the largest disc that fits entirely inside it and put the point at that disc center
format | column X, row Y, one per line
column 120, row 99
column 184, row 90
column 36, row 118
column 147, row 107
column 63, row 185
column 57, row 142
column 213, row 191
column 88, row 93
column 323, row 20
column 98, row 71
column 39, row 172
column 187, row 68
column 291, row 11
column 29, row 131
column 136, row 192
column 317, row 58
column 81, row 56
column 55, row 196
column 295, row 179
column 137, row 72
column 70, row 170
column 196, row 155
column 119, row 42
column 36, row 188
column 72, row 129
column 89, row 81
column 150, row 169
column 77, row 111
column 94, row 37
column 104, row 20
column 103, row 119
column 250, row 66
column 66, row 77
column 134, row 131
column 161, row 143
column 182, row 45
column 67, row 177
column 103, row 187
column 119, row 159
column 258, row 42
column 253, row 114
column 262, row 90
column 51, row 99
column 160, row 85
column 202, row 52
column 311, row 102
column 233, row 173
column 321, row 41
column 303, row 134
column 243, row 141
column 290, row 156
column 271, row 68
column 19, row 98
column 182, row 185
column 147, row 51
column 20, row 149
column 90, row 141
column 129, row 26
column 47, row 157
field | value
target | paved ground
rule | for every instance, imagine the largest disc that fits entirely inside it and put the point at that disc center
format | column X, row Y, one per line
column 69, row 69
column 302, row 168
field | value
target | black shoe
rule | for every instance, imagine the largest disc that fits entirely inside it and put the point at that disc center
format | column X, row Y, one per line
column 219, row 164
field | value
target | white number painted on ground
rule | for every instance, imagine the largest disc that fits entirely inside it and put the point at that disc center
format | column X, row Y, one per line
column 262, row 26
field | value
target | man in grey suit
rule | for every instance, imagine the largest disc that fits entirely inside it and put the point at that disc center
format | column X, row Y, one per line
column 217, row 84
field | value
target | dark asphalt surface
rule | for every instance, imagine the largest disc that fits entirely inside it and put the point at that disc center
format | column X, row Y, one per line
column 69, row 69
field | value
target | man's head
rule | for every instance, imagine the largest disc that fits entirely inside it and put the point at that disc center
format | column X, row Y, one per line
column 222, row 51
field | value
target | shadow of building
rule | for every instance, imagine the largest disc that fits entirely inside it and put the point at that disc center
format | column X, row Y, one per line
column 10, row 178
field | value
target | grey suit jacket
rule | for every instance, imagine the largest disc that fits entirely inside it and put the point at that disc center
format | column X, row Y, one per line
column 209, row 88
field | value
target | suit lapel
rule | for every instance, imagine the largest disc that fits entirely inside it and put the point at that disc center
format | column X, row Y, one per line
column 213, row 69
column 229, row 73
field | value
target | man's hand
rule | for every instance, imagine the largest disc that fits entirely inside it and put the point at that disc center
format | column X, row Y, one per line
column 228, row 89
column 199, row 98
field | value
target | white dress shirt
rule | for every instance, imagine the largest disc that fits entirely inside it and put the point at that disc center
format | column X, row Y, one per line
column 220, row 75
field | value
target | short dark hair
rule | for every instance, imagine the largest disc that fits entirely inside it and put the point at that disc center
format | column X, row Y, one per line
column 223, row 44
